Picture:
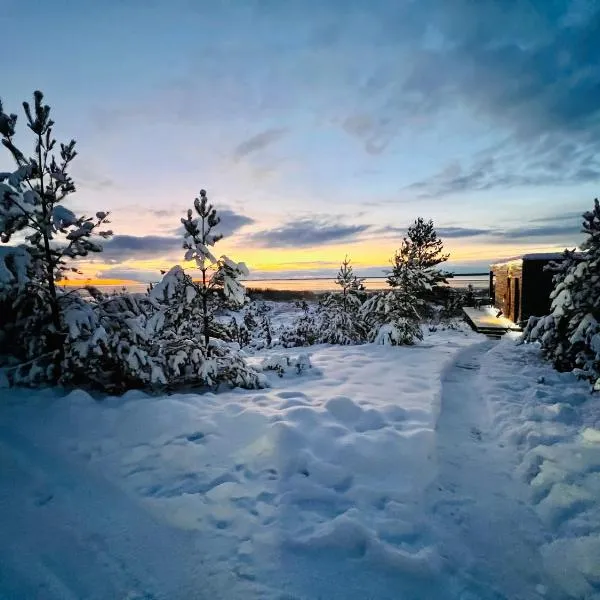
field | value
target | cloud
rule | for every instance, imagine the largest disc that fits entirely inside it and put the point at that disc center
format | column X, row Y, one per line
column 258, row 142
column 89, row 176
column 547, row 232
column 532, row 72
column 305, row 233
column 547, row 168
column 141, row 275
column 231, row 221
column 561, row 228
column 162, row 213
column 376, row 133
column 567, row 216
column 535, row 66
column 121, row 248
column 529, row 75
column 443, row 232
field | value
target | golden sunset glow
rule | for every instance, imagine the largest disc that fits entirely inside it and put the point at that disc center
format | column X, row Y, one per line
column 271, row 263
column 95, row 282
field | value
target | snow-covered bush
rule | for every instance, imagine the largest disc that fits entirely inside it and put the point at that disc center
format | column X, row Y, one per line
column 165, row 338
column 152, row 340
column 570, row 334
column 257, row 325
column 391, row 318
column 283, row 365
column 31, row 206
column 305, row 330
column 25, row 321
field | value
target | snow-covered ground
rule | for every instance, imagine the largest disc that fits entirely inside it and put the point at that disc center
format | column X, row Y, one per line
column 553, row 422
column 446, row 470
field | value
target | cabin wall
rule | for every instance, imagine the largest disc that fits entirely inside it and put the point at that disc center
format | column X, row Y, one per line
column 508, row 291
column 526, row 285
column 537, row 287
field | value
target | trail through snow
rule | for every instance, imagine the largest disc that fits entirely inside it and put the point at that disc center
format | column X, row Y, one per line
column 486, row 530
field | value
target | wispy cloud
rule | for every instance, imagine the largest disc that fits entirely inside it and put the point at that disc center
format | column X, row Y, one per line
column 510, row 171
column 231, row 222
column 443, row 232
column 122, row 248
column 548, row 232
column 258, row 142
column 305, row 233
column 131, row 274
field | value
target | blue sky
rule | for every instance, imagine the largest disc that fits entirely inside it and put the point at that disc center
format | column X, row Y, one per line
column 321, row 128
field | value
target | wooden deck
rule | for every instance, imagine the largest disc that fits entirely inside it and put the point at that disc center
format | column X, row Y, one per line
column 484, row 320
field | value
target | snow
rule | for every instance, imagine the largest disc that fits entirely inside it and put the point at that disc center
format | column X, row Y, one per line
column 543, row 256
column 554, row 422
column 517, row 261
column 14, row 261
column 63, row 217
column 457, row 468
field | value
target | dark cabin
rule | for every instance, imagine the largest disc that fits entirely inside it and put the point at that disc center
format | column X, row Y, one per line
column 521, row 287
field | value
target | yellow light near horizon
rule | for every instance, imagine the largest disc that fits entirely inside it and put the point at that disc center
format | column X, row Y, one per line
column 364, row 254
column 94, row 282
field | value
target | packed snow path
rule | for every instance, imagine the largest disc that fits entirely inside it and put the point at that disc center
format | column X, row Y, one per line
column 487, row 532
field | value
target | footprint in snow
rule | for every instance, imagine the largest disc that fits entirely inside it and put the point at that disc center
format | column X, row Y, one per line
column 42, row 498
column 290, row 395
column 476, row 434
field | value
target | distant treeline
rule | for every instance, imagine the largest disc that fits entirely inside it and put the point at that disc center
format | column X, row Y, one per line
column 281, row 295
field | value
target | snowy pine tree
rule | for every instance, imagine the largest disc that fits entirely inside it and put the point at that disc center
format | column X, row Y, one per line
column 350, row 285
column 305, row 330
column 393, row 317
column 217, row 276
column 31, row 208
column 341, row 318
column 426, row 250
column 570, row 334
column 258, row 325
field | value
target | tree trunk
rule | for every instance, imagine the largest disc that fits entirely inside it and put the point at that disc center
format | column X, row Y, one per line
column 205, row 295
column 205, row 309
column 57, row 343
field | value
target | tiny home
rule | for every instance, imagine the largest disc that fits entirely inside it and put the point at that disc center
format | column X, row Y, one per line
column 521, row 287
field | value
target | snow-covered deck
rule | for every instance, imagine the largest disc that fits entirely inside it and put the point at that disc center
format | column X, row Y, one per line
column 485, row 320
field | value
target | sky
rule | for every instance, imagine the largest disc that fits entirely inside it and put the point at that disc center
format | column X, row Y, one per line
column 319, row 128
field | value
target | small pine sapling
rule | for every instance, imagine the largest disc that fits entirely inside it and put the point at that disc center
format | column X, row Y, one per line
column 349, row 284
column 216, row 275
column 341, row 316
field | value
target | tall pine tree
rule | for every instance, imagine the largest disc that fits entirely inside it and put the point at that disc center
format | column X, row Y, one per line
column 426, row 250
column 31, row 208
column 570, row 334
